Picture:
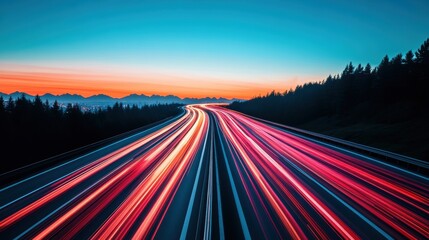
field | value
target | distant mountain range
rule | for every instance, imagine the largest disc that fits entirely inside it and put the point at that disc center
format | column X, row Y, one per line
column 102, row 99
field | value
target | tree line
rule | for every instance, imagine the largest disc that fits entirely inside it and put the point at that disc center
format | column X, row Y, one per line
column 393, row 95
column 394, row 90
column 32, row 130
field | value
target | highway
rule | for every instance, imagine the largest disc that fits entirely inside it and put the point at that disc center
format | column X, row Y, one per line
column 214, row 173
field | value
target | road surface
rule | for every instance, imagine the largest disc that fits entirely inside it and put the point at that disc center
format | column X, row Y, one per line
column 214, row 173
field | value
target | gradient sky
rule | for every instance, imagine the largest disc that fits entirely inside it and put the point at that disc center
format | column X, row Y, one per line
column 196, row 48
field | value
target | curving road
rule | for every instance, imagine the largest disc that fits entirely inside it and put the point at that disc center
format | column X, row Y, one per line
column 214, row 173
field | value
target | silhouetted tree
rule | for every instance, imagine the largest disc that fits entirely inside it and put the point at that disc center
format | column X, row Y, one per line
column 10, row 104
column 56, row 111
column 409, row 58
column 397, row 87
column 2, row 114
column 367, row 69
column 2, row 108
column 33, row 125
column 422, row 54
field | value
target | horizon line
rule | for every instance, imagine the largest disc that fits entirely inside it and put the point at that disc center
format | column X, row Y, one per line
column 118, row 98
column 41, row 80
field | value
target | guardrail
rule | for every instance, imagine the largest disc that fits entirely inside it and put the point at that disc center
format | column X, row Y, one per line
column 19, row 173
column 409, row 163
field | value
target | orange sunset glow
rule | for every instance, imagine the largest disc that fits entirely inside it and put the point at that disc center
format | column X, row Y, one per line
column 58, row 81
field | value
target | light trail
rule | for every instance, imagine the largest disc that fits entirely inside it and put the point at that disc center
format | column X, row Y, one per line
column 215, row 173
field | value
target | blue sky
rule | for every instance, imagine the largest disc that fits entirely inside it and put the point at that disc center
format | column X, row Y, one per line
column 220, row 39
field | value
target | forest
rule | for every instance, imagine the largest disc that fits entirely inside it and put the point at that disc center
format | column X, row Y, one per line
column 32, row 130
column 384, row 106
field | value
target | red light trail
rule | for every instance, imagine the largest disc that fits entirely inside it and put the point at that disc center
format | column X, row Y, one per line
column 215, row 173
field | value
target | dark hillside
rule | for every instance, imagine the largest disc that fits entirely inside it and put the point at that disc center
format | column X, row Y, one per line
column 385, row 106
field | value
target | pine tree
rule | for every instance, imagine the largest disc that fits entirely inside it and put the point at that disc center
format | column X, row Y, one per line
column 422, row 54
column 396, row 61
column 367, row 69
column 10, row 105
column 38, row 104
column 409, row 58
column 359, row 69
column 55, row 107
column 2, row 109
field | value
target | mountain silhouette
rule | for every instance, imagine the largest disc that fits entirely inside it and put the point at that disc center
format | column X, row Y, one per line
column 103, row 99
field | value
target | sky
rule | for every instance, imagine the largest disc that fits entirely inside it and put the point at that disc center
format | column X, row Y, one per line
column 217, row 48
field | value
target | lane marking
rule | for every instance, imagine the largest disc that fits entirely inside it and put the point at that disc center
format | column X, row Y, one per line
column 219, row 208
column 64, row 176
column 97, row 150
column 208, row 224
column 350, row 152
column 68, row 202
column 194, row 191
column 235, row 193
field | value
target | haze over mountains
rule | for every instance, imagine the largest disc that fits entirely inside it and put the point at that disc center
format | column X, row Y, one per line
column 101, row 99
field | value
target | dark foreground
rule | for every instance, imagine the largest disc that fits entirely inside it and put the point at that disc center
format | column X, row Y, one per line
column 214, row 173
